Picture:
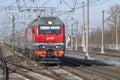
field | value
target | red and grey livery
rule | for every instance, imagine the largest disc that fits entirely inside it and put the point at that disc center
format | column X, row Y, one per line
column 43, row 39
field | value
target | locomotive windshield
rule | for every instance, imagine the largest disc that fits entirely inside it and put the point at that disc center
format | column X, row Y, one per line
column 50, row 30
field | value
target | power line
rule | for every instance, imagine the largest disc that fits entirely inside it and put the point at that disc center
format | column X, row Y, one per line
column 45, row 3
column 92, row 2
column 25, row 3
column 58, row 5
column 111, row 15
column 9, row 6
column 100, row 3
column 67, row 4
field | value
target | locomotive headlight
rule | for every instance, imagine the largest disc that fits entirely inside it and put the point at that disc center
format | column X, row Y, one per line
column 58, row 46
column 42, row 46
column 50, row 22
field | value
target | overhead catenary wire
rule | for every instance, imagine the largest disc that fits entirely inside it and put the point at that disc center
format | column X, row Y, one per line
column 110, row 15
column 97, row 4
column 59, row 4
column 67, row 4
column 25, row 3
column 45, row 3
column 90, row 4
column 75, row 4
column 9, row 6
column 93, row 3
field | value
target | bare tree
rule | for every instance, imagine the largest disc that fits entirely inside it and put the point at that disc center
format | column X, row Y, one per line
column 110, row 33
column 113, row 22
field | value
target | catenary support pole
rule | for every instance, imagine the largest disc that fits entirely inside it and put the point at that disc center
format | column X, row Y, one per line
column 13, row 26
column 76, row 35
column 83, row 29
column 102, row 41
column 87, row 31
column 116, row 25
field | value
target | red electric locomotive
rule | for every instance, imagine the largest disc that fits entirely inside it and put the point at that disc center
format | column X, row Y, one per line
column 45, row 39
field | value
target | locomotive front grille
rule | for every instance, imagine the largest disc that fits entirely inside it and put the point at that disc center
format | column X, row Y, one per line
column 50, row 47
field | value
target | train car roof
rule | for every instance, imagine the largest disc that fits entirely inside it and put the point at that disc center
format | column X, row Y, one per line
column 44, row 21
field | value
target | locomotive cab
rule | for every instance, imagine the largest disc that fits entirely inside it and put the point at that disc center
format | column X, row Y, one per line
column 48, row 39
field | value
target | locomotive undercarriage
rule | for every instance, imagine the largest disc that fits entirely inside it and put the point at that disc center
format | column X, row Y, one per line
column 49, row 58
column 55, row 60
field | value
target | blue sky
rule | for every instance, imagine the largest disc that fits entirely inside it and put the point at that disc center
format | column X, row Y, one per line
column 61, row 5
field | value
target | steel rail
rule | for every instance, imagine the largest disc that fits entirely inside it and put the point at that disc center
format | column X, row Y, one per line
column 4, row 67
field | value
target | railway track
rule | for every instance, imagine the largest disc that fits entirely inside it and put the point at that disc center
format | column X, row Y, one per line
column 29, row 73
column 95, row 53
column 3, row 68
column 108, row 52
column 91, row 71
column 26, row 66
column 69, row 69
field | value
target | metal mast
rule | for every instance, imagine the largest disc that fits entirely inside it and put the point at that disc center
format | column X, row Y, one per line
column 83, row 29
column 102, row 43
column 13, row 26
column 87, row 31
